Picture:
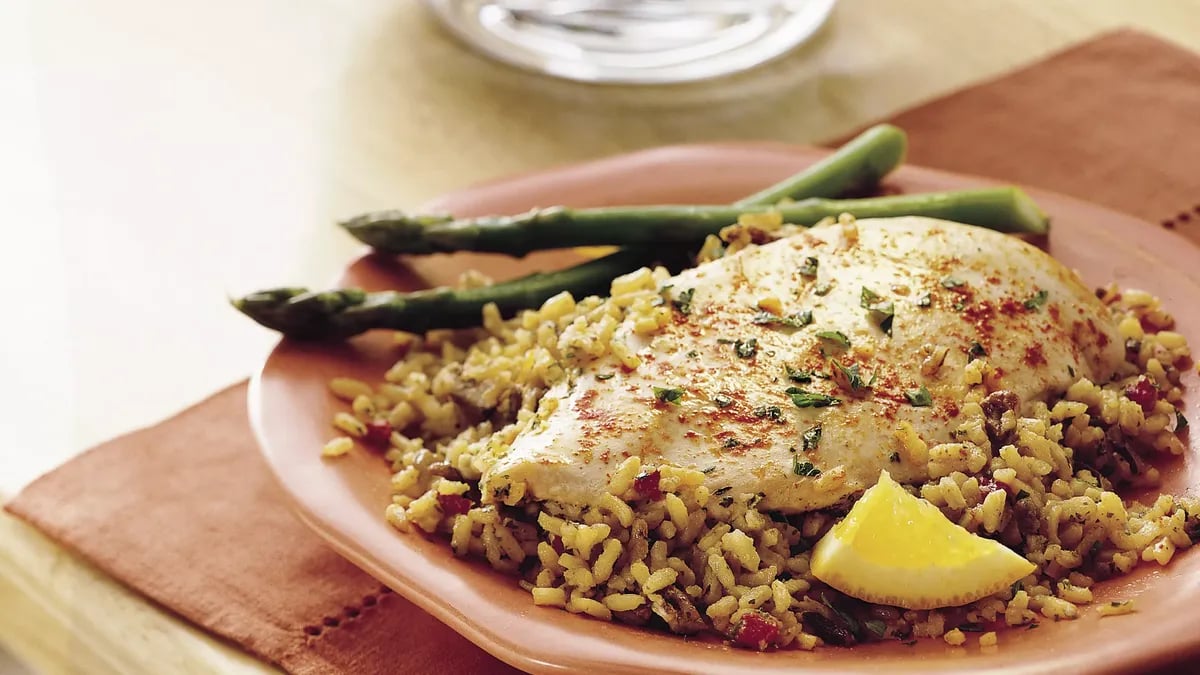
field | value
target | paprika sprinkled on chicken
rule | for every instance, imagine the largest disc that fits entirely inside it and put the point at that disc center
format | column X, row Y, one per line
column 851, row 329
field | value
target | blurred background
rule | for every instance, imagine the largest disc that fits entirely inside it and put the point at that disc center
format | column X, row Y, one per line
column 159, row 156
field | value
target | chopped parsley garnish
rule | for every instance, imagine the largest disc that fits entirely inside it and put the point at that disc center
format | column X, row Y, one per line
column 925, row 300
column 721, row 491
column 811, row 399
column 605, row 376
column 812, row 438
column 959, row 306
column 878, row 628
column 722, row 401
column 804, row 468
column 670, row 395
column 797, row 320
column 1017, row 586
column 887, row 316
column 951, row 282
column 919, row 398
column 869, row 297
column 1021, row 494
column 894, row 457
column 797, row 375
column 835, row 336
column 1032, row 626
column 851, row 378
column 693, row 354
column 809, row 268
column 683, row 303
column 823, row 289
column 977, row 351
column 731, row 443
column 746, row 349
column 1037, row 299
column 1181, row 422
column 771, row 412
column 847, row 618
column 883, row 312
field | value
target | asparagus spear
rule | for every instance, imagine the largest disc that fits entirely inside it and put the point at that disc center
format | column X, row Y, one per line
column 857, row 165
column 338, row 314
column 329, row 315
column 1007, row 209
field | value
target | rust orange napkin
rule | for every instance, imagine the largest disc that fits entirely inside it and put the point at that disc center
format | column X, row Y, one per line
column 186, row 513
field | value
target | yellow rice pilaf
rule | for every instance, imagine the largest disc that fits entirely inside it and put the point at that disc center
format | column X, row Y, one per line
column 694, row 562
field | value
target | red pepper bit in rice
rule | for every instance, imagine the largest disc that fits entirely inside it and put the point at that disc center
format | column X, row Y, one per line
column 987, row 486
column 1144, row 393
column 757, row 630
column 453, row 505
column 379, row 433
column 646, row 486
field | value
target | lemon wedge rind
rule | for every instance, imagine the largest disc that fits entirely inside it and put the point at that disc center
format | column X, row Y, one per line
column 896, row 549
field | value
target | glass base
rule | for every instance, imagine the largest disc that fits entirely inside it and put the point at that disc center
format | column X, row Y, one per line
column 633, row 41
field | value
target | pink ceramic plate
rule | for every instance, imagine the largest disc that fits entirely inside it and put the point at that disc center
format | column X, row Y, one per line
column 344, row 500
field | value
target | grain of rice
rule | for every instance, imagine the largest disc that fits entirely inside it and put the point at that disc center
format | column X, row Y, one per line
column 348, row 388
column 623, row 602
column 349, row 424
column 549, row 597
column 622, row 478
column 337, row 447
column 603, row 568
column 954, row 637
column 742, row 547
column 588, row 606
column 659, row 580
column 677, row 511
column 722, row 571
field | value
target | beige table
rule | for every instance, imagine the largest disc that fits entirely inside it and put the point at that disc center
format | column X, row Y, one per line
column 162, row 154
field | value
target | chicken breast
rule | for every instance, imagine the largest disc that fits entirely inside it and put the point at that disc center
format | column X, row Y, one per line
column 802, row 408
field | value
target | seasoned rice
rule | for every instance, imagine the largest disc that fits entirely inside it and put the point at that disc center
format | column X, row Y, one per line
column 660, row 548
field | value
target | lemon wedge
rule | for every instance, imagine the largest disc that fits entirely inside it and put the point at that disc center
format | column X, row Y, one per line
column 896, row 549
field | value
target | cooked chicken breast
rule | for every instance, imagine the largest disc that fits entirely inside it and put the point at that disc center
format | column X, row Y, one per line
column 805, row 411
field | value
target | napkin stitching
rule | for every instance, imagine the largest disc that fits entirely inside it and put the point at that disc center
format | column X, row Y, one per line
column 1183, row 216
column 349, row 614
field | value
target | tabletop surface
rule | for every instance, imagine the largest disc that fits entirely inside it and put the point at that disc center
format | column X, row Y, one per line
column 160, row 156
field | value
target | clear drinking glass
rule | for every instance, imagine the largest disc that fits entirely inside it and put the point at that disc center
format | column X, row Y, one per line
column 633, row 41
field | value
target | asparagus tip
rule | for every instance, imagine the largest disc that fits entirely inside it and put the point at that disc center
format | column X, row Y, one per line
column 382, row 229
column 299, row 312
